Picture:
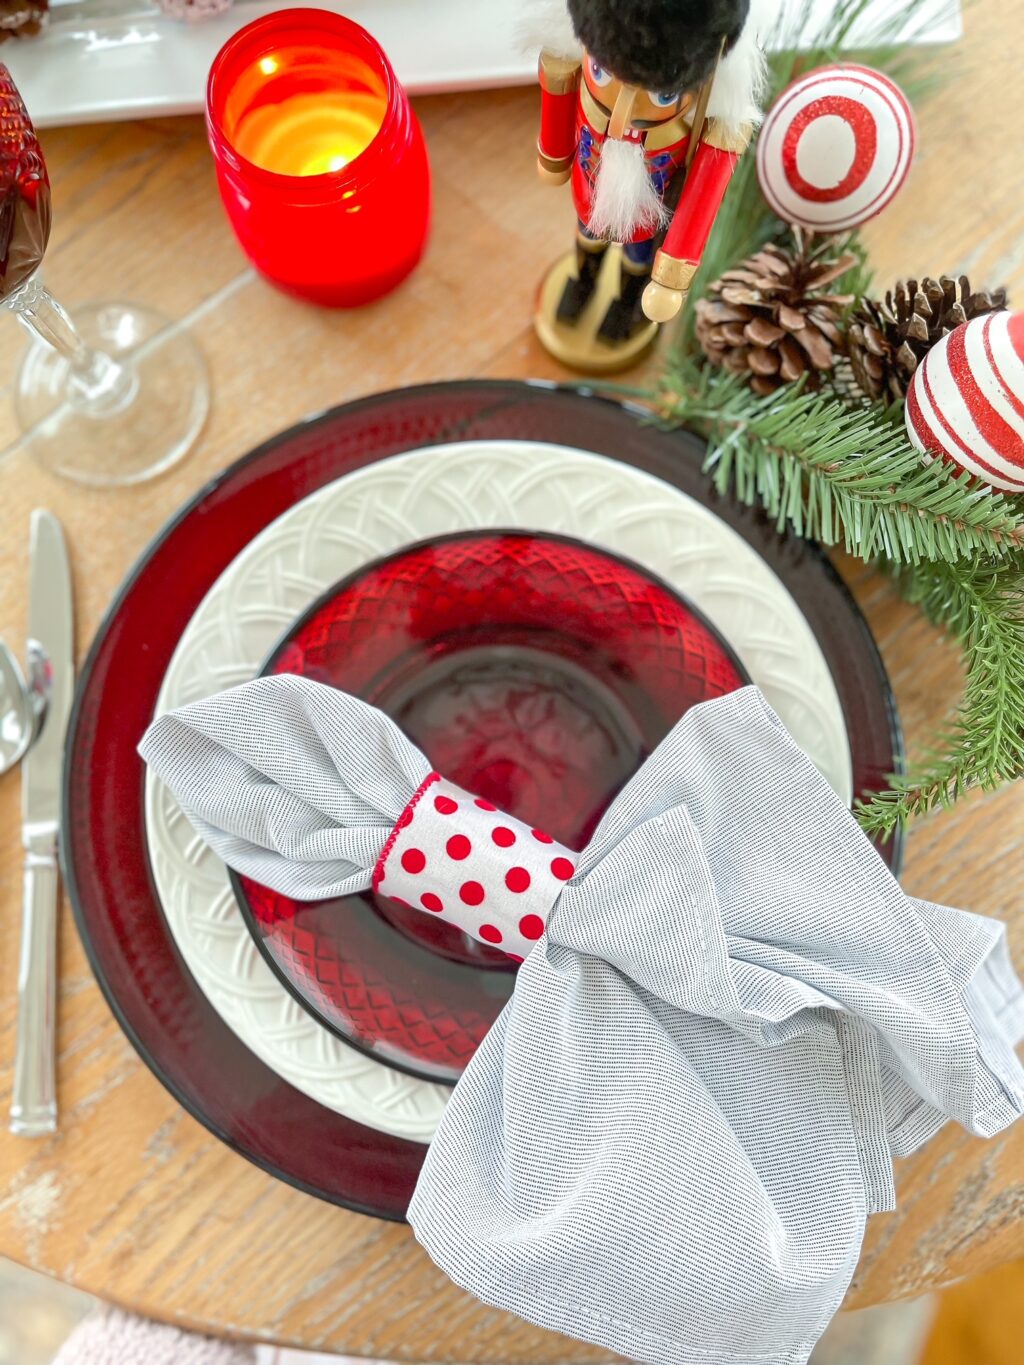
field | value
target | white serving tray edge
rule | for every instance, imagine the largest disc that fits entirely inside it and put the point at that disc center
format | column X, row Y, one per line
column 100, row 62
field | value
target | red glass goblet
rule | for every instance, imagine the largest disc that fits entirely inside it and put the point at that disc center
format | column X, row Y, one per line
column 533, row 670
column 119, row 394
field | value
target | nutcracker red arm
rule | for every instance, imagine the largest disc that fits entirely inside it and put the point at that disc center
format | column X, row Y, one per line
column 706, row 183
column 559, row 84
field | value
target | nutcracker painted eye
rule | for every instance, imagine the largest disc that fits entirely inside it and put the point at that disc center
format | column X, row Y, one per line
column 661, row 101
column 599, row 75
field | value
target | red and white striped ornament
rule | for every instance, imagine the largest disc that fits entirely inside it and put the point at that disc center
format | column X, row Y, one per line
column 966, row 400
column 835, row 147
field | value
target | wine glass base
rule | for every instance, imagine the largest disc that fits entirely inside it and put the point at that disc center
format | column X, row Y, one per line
column 140, row 432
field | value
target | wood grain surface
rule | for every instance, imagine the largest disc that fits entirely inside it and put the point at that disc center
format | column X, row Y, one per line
column 133, row 1200
column 979, row 1322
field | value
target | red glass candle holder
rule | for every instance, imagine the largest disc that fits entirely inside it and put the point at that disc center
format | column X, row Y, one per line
column 321, row 162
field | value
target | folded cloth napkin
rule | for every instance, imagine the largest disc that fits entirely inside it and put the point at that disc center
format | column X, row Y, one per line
column 731, row 1019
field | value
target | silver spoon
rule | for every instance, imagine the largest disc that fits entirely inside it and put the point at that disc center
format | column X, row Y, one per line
column 22, row 702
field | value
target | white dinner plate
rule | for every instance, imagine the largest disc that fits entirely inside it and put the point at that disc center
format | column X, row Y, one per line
column 373, row 512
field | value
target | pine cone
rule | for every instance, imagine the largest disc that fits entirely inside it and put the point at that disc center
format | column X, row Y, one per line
column 888, row 338
column 770, row 317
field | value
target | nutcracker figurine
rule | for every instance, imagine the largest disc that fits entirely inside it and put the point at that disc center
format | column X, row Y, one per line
column 647, row 106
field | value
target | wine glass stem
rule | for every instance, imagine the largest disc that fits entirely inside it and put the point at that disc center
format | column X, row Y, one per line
column 96, row 382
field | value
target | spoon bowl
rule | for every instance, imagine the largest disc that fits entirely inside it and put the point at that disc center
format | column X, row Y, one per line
column 22, row 702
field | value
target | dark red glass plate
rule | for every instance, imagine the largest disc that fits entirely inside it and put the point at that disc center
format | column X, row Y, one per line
column 161, row 1008
column 533, row 670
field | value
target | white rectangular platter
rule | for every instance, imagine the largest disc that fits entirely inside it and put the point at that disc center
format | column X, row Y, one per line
column 104, row 59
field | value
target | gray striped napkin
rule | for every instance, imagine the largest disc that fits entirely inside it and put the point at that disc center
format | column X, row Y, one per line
column 669, row 1142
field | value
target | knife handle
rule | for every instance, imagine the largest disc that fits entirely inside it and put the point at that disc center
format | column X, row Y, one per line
column 34, row 1101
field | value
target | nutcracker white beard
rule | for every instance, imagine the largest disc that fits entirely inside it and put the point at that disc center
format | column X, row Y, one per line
column 625, row 202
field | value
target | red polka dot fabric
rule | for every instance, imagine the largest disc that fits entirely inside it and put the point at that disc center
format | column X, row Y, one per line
column 456, row 855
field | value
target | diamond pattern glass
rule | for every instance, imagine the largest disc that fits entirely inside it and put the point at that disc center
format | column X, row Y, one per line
column 533, row 670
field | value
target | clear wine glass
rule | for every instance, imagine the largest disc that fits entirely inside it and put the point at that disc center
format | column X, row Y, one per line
column 115, row 397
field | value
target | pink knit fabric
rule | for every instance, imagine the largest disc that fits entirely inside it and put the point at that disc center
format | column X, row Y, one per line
column 194, row 11
column 112, row 1338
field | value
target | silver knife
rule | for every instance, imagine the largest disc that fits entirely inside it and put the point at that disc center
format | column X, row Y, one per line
column 50, row 629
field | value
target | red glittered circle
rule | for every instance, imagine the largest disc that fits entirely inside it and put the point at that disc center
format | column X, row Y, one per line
column 413, row 860
column 484, row 805
column 431, row 902
column 444, row 805
column 503, row 836
column 471, row 893
column 541, row 837
column 490, row 933
column 458, row 847
column 562, row 868
column 517, row 879
column 531, row 926
column 861, row 123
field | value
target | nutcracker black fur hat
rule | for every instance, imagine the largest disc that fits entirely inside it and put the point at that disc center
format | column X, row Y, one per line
column 663, row 45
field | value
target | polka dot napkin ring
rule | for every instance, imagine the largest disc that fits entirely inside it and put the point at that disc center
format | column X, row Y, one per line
column 458, row 856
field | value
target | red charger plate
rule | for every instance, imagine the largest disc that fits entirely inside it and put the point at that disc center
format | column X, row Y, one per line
column 158, row 1004
column 533, row 670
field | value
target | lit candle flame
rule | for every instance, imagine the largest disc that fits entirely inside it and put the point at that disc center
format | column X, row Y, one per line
column 308, row 132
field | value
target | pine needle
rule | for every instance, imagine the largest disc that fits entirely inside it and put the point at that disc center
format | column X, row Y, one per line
column 982, row 608
column 838, row 474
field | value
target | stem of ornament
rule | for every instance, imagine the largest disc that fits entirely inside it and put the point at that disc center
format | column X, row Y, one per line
column 96, row 382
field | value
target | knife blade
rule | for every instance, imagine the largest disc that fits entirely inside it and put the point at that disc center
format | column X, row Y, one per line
column 51, row 631
column 51, row 627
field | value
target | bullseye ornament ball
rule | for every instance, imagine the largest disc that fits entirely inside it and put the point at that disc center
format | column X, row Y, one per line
column 835, row 147
column 965, row 404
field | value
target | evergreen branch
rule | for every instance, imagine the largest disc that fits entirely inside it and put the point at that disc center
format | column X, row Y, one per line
column 982, row 608
column 848, row 476
column 840, row 475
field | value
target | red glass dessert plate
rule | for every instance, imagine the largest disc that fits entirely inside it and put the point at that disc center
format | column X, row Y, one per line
column 533, row 670
column 130, row 946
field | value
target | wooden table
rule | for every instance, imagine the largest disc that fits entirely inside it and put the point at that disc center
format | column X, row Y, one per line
column 133, row 1200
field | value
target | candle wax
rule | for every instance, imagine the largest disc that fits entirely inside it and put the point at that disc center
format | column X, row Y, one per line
column 311, row 133
column 305, row 110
